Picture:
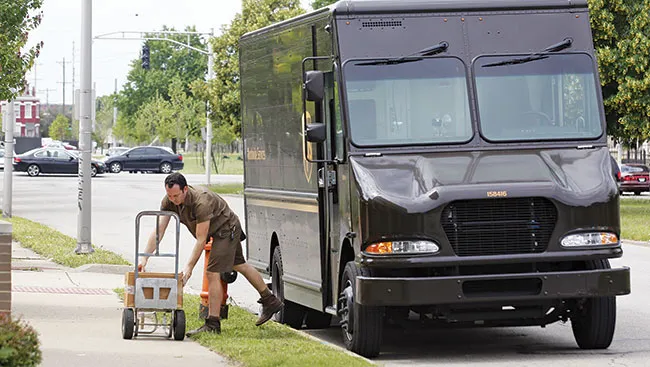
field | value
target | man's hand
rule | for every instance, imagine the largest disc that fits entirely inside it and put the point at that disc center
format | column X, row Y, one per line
column 187, row 273
column 143, row 264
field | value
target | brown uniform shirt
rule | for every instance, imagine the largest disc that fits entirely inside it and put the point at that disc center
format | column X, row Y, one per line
column 203, row 205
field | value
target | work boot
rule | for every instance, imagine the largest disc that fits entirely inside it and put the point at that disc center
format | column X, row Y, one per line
column 270, row 305
column 212, row 325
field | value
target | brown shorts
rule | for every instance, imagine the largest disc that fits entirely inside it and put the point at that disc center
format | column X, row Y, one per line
column 226, row 250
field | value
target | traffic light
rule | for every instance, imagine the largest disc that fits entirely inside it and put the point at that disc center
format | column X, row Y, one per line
column 145, row 57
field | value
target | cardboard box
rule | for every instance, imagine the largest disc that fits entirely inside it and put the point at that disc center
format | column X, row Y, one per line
column 129, row 289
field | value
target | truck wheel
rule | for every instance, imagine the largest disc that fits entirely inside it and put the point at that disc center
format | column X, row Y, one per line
column 594, row 320
column 362, row 326
column 317, row 320
column 292, row 313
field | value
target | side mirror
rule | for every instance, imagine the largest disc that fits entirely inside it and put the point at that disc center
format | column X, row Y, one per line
column 314, row 86
column 316, row 133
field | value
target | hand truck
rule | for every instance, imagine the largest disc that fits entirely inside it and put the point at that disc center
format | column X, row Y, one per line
column 155, row 298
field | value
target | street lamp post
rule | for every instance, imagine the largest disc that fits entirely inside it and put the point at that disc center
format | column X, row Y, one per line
column 161, row 36
column 9, row 125
column 208, row 127
column 84, row 244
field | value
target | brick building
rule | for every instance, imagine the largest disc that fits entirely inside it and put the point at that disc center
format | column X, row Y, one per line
column 27, row 111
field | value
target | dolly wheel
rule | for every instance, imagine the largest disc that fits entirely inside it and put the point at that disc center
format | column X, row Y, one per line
column 128, row 323
column 179, row 325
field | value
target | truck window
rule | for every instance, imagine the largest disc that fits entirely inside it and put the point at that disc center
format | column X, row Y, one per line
column 423, row 101
column 547, row 98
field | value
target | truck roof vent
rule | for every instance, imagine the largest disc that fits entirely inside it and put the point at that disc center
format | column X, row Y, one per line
column 381, row 23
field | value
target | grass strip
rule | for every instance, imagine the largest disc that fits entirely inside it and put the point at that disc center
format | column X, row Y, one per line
column 271, row 344
column 232, row 188
column 54, row 245
column 635, row 219
column 228, row 164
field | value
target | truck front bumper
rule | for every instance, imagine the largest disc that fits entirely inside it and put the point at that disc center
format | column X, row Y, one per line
column 375, row 291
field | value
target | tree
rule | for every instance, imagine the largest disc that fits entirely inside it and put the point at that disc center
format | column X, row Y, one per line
column 223, row 90
column 167, row 61
column 103, row 119
column 153, row 119
column 17, row 19
column 317, row 4
column 60, row 128
column 621, row 31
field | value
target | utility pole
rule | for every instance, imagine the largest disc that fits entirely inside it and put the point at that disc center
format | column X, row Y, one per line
column 47, row 95
column 84, row 244
column 64, row 82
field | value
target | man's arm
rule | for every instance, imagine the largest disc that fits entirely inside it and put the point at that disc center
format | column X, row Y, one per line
column 163, row 221
column 201, row 238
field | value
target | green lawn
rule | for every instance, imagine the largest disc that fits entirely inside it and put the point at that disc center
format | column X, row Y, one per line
column 272, row 344
column 229, row 164
column 635, row 219
column 54, row 245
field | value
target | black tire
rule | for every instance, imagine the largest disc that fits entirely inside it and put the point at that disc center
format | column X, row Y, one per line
column 165, row 167
column 292, row 314
column 33, row 170
column 594, row 320
column 93, row 170
column 115, row 167
column 128, row 323
column 362, row 326
column 178, row 322
column 637, row 193
column 317, row 320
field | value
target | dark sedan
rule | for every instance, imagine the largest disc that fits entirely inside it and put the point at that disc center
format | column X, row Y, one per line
column 53, row 160
column 145, row 159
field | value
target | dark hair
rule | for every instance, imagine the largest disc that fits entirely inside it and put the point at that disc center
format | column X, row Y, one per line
column 175, row 179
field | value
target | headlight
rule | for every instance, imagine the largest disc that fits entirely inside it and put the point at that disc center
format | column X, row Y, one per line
column 402, row 247
column 590, row 239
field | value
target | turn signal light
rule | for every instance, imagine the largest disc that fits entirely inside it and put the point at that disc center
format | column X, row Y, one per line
column 590, row 239
column 402, row 247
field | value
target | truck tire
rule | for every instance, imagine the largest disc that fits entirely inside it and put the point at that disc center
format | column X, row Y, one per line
column 362, row 326
column 593, row 322
column 292, row 314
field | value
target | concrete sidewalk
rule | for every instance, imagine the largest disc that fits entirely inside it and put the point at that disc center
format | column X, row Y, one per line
column 79, row 319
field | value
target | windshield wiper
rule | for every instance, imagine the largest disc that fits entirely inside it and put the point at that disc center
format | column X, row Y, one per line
column 534, row 56
column 429, row 51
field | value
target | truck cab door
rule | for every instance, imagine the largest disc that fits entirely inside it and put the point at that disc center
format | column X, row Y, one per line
column 322, row 131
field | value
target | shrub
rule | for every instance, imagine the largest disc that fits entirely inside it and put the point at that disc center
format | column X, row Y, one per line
column 18, row 343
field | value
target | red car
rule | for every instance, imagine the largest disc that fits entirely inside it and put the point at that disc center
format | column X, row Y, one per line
column 634, row 178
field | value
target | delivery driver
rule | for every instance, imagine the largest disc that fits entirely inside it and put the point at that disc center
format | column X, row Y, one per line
column 206, row 214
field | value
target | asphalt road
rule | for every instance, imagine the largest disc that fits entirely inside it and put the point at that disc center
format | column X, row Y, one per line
column 117, row 199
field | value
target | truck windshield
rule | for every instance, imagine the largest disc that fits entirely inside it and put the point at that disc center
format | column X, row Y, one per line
column 545, row 98
column 422, row 101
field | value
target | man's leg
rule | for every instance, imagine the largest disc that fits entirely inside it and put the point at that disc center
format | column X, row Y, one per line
column 270, row 303
column 215, row 293
column 252, row 275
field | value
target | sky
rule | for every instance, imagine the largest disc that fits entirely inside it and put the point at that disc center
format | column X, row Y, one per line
column 61, row 27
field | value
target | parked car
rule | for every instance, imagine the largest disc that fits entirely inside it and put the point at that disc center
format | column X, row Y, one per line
column 145, row 159
column 116, row 151
column 53, row 160
column 634, row 178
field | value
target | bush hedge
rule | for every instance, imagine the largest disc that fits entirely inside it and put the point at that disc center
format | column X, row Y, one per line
column 19, row 345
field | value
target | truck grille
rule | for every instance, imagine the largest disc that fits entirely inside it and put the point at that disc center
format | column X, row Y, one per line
column 499, row 226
